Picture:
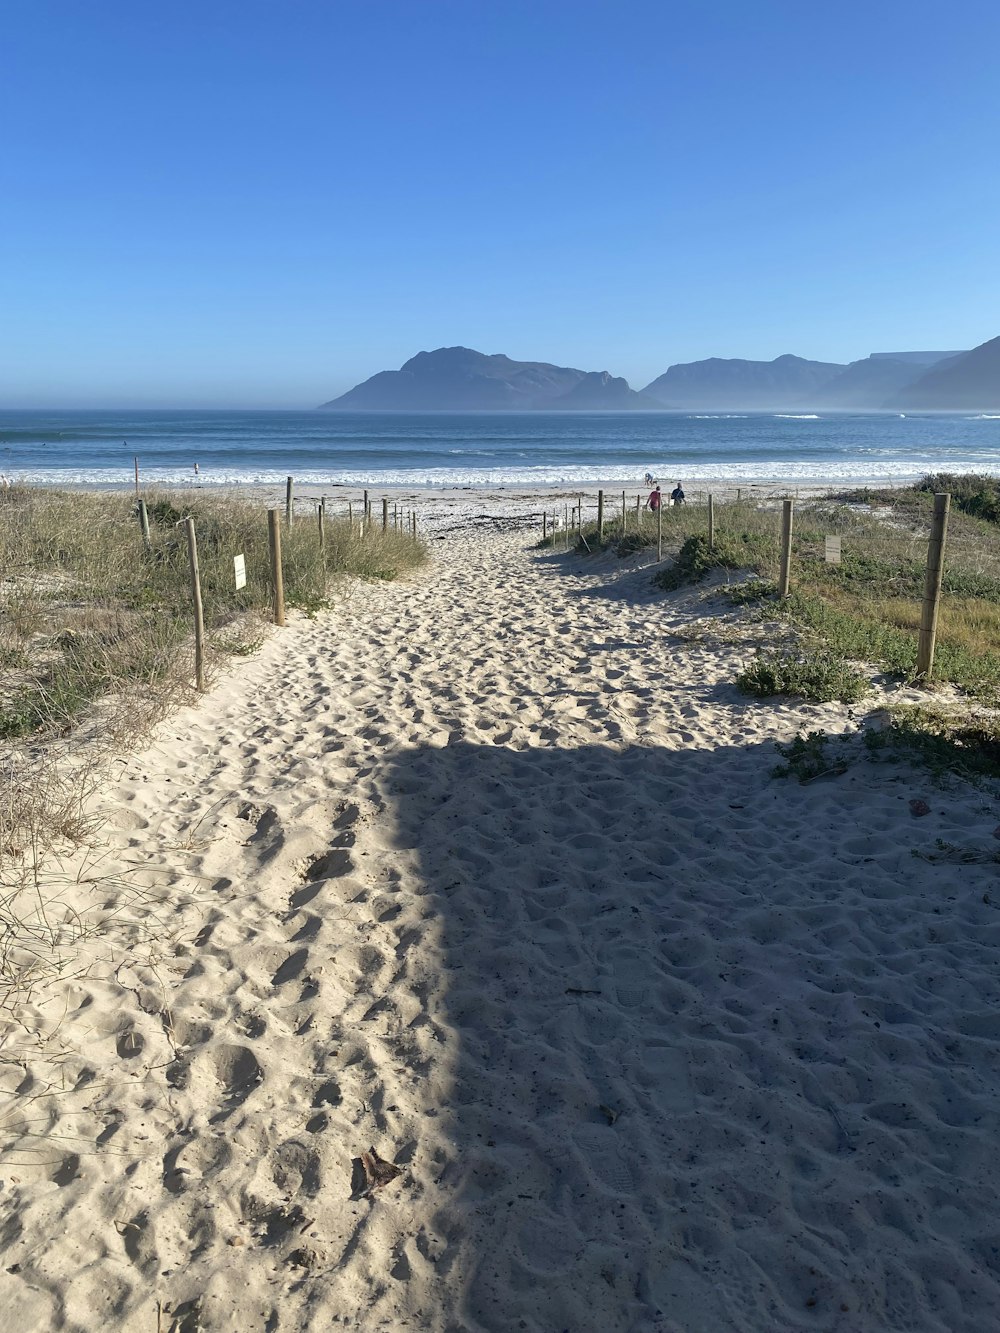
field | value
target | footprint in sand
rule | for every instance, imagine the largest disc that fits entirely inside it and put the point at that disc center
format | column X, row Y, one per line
column 665, row 1071
column 689, row 1297
column 546, row 1245
column 603, row 1156
column 293, row 966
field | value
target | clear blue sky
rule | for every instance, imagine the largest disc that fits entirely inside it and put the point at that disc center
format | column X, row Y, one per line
column 261, row 202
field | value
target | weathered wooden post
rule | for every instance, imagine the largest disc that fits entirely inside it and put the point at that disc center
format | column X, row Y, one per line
column 659, row 531
column 321, row 523
column 711, row 521
column 136, row 461
column 199, row 619
column 600, row 516
column 277, row 583
column 624, row 515
column 289, row 501
column 413, row 523
column 638, row 512
column 566, row 526
column 144, row 523
column 545, row 526
column 932, row 587
column 385, row 513
column 785, row 573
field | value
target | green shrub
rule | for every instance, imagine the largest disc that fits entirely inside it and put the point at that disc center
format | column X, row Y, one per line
column 750, row 591
column 732, row 550
column 946, row 742
column 807, row 757
column 820, row 676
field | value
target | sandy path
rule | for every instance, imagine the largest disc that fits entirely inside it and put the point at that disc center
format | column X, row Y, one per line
column 488, row 872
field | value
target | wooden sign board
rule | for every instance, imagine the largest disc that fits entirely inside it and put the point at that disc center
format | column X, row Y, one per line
column 833, row 550
column 240, row 570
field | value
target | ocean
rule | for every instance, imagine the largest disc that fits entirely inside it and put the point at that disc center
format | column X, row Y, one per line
column 95, row 448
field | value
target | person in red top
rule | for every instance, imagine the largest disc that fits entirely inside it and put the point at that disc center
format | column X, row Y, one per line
column 654, row 500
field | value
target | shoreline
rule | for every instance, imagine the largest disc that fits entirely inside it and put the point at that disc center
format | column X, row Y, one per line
column 696, row 488
column 722, row 483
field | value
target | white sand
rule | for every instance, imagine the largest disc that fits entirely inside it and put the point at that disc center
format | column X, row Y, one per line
column 488, row 872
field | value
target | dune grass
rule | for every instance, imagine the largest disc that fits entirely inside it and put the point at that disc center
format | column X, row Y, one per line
column 94, row 625
column 867, row 609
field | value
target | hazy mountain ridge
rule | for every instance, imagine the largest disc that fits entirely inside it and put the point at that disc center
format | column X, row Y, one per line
column 461, row 379
column 458, row 378
column 737, row 384
column 872, row 383
column 969, row 382
column 601, row 391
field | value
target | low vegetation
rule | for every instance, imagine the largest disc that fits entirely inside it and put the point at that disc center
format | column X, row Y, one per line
column 947, row 743
column 841, row 620
column 95, row 626
column 638, row 531
column 866, row 609
column 820, row 676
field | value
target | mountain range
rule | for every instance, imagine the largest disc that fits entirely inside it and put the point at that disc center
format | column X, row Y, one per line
column 460, row 379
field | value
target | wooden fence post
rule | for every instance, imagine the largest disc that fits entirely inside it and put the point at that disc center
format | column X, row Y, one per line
column 624, row 515
column 566, row 526
column 785, row 574
column 711, row 521
column 385, row 513
column 144, row 522
column 545, row 526
column 659, row 531
column 277, row 583
column 136, row 461
column 932, row 587
column 350, row 515
column 600, row 516
column 638, row 512
column 289, row 513
column 199, row 619
column 321, row 524
column 366, row 510
column 413, row 523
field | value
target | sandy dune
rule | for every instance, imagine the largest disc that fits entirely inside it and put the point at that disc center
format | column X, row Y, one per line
column 488, row 873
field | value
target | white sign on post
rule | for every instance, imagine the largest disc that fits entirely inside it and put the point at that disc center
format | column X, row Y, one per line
column 240, row 570
column 833, row 550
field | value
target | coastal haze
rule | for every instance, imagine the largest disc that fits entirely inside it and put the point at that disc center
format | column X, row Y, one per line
column 461, row 379
column 459, row 417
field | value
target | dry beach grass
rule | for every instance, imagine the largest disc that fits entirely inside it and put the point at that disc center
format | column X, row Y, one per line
column 484, row 875
column 96, row 646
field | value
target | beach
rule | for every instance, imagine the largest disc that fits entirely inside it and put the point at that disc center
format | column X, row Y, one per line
column 486, row 873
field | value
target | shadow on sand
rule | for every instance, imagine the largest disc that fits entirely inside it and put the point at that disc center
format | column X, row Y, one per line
column 709, row 1046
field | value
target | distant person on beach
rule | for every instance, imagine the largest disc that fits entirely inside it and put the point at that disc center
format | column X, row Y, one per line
column 196, row 469
column 655, row 499
column 649, row 479
column 677, row 495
